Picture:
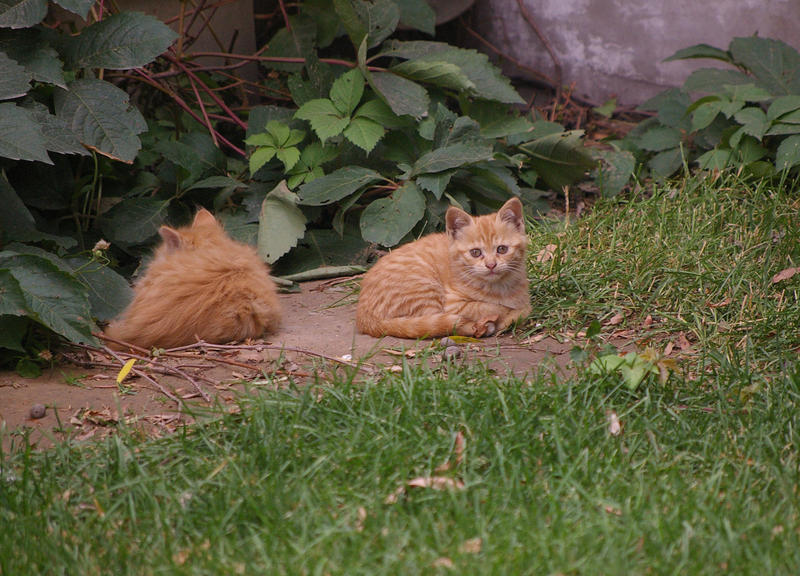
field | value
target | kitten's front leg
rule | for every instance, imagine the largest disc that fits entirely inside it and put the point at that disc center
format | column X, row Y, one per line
column 511, row 315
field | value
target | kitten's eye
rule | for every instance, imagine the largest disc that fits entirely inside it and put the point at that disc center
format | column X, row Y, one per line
column 475, row 252
column 502, row 249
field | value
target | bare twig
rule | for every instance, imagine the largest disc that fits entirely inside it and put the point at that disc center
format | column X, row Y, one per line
column 556, row 61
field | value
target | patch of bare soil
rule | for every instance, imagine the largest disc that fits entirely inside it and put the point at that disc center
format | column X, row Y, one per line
column 83, row 400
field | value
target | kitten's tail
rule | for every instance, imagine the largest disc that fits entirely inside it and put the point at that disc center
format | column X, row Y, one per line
column 430, row 326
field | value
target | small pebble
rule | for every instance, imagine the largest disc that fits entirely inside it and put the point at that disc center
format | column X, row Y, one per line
column 452, row 352
column 447, row 342
column 38, row 411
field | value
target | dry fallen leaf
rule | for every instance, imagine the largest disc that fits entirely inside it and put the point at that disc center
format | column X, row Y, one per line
column 784, row 274
column 458, row 451
column 443, row 562
column 615, row 319
column 432, row 482
column 546, row 253
column 683, row 343
column 362, row 517
column 614, row 426
column 471, row 546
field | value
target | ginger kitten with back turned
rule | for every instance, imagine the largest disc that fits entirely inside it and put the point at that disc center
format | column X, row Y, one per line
column 470, row 280
column 200, row 284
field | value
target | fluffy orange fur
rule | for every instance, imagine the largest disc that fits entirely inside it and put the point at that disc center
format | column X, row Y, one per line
column 470, row 280
column 200, row 284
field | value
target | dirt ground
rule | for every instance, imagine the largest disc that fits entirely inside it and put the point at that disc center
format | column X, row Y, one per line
column 83, row 400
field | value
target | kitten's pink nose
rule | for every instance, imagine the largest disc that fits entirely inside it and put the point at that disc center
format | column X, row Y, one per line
column 490, row 264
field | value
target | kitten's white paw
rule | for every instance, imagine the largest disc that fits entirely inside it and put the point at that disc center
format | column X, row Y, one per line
column 490, row 328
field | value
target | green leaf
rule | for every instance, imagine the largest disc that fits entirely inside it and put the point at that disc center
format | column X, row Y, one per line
column 260, row 116
column 134, row 221
column 31, row 50
column 419, row 15
column 701, row 51
column 281, row 223
column 702, row 116
column 364, row 133
column 346, row 91
column 324, row 117
column 289, row 157
column 403, row 96
column 12, row 329
column 380, row 17
column 715, row 159
column 667, row 162
column 379, row 111
column 22, row 13
column 120, row 41
column 711, row 79
column 16, row 222
column 454, row 156
column 56, row 134
column 336, row 185
column 615, row 172
column 747, row 93
column 783, row 105
column 754, row 121
column 79, row 7
column 102, row 117
column 217, row 182
column 660, row 138
column 14, row 79
column 788, row 154
column 53, row 297
column 261, row 156
column 495, row 120
column 436, row 184
column 109, row 293
column 559, row 159
column 780, row 129
column 323, row 248
column 607, row 108
column 353, row 24
column 279, row 131
column 21, row 136
column 295, row 43
column 387, row 220
column 12, row 299
column 444, row 74
column 488, row 81
column 775, row 64
column 261, row 139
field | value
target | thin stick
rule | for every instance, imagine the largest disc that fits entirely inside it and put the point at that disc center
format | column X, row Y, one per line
column 556, row 61
column 140, row 373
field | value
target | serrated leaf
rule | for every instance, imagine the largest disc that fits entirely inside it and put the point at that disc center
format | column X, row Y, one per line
column 701, row 51
column 380, row 17
column 775, row 64
column 615, row 172
column 289, row 157
column 21, row 136
column 436, row 184
column 660, row 138
column 261, row 156
column 325, row 119
column 667, row 162
column 218, row 182
column 109, row 293
column 488, row 81
column 419, row 15
column 495, row 120
column 101, row 116
column 559, row 159
column 31, row 50
column 444, row 74
column 280, row 132
column 351, row 21
column 747, row 93
column 702, row 116
column 56, row 134
column 120, row 41
column 715, row 159
column 79, row 7
column 295, row 43
column 403, row 96
column 453, row 156
column 788, row 154
column 261, row 139
column 780, row 129
column 53, row 297
column 134, row 221
column 281, row 223
column 260, row 116
column 14, row 79
column 379, row 111
column 346, row 91
column 711, row 79
column 22, row 13
column 364, row 133
column 783, row 105
column 336, row 185
column 754, row 121
column 387, row 220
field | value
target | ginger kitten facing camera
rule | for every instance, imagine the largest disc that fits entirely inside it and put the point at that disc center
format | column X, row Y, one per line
column 200, row 285
column 470, row 280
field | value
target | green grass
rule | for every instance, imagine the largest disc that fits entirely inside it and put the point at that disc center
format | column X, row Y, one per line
column 703, row 478
column 698, row 258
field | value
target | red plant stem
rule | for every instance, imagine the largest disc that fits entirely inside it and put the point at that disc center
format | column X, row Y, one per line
column 205, row 88
column 145, row 77
column 285, row 15
column 205, row 113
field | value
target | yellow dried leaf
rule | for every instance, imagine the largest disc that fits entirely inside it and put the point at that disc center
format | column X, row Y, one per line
column 784, row 274
column 125, row 370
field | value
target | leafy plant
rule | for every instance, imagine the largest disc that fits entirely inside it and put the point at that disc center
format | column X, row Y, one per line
column 747, row 117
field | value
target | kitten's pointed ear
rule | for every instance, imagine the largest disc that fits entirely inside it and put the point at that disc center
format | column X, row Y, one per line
column 204, row 218
column 511, row 213
column 456, row 220
column 170, row 236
